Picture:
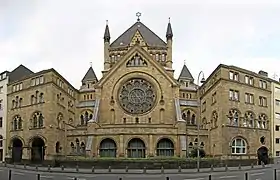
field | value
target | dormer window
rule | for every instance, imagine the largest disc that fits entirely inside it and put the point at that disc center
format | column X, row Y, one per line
column 187, row 84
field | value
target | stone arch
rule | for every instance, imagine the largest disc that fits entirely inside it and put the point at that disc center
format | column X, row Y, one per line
column 249, row 119
column 136, row 148
column 239, row 145
column 204, row 123
column 165, row 147
column 136, row 60
column 107, row 147
column 16, row 137
column 37, row 119
column 85, row 116
column 36, row 136
column 38, row 147
column 234, row 117
column 17, row 146
column 189, row 116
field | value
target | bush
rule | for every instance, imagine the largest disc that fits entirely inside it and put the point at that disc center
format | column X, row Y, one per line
column 193, row 153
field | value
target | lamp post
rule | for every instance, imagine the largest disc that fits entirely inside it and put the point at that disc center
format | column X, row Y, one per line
column 198, row 119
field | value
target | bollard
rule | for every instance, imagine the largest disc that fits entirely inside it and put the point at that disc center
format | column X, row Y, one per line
column 14, row 165
column 212, row 167
column 109, row 169
column 162, row 169
column 24, row 166
column 120, row 178
column 49, row 168
column 36, row 167
column 252, row 165
column 263, row 164
column 77, row 168
column 144, row 169
column 210, row 177
column 10, row 175
column 75, row 178
column 246, row 176
column 62, row 168
column 226, row 168
column 5, row 164
column 275, row 174
column 126, row 168
column 239, row 166
column 38, row 177
column 179, row 169
column 167, row 178
column 92, row 169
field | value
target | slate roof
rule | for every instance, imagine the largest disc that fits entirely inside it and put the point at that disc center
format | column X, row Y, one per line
column 169, row 33
column 185, row 73
column 149, row 36
column 90, row 75
column 19, row 73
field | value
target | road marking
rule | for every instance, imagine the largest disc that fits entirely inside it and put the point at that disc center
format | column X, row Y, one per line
column 47, row 177
column 256, row 174
column 226, row 177
column 17, row 173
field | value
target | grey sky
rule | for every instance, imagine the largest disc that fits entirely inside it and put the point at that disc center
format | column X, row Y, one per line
column 67, row 35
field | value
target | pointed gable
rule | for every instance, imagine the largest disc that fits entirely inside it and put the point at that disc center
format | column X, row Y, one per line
column 148, row 36
column 137, row 39
column 186, row 74
column 90, row 76
column 19, row 73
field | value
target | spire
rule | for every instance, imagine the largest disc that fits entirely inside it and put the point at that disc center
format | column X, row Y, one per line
column 90, row 75
column 107, row 36
column 169, row 33
column 185, row 73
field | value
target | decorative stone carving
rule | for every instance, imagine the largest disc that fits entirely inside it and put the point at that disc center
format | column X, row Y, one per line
column 137, row 96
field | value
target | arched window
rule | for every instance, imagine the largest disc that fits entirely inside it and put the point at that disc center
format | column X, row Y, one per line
column 249, row 119
column 57, row 147
column 238, row 146
column 165, row 147
column 262, row 121
column 136, row 149
column 1, row 142
column 233, row 117
column 108, row 148
column 215, row 119
column 189, row 116
column 17, row 123
column 59, row 120
column 38, row 120
column 72, row 147
column 83, row 148
column 85, row 117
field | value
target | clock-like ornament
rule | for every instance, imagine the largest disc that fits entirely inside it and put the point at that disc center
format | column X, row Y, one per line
column 137, row 96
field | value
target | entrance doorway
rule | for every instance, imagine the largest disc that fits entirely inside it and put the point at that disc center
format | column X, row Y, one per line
column 17, row 150
column 262, row 155
column 37, row 150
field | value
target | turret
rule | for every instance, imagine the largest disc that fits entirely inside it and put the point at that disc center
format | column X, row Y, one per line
column 89, row 80
column 106, row 38
column 169, row 37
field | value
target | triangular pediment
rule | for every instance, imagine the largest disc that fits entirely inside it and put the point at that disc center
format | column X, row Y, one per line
column 136, row 50
column 137, row 39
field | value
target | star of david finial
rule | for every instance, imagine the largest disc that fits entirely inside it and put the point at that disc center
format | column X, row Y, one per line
column 184, row 62
column 138, row 14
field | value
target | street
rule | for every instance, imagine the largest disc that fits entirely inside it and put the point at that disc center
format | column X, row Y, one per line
column 257, row 174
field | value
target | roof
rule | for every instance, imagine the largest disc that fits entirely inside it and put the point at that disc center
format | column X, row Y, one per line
column 149, row 36
column 19, row 73
column 90, row 75
column 185, row 73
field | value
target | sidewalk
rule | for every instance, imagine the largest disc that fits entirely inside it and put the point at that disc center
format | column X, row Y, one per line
column 131, row 171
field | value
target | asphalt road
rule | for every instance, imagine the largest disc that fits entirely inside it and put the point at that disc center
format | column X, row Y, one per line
column 257, row 174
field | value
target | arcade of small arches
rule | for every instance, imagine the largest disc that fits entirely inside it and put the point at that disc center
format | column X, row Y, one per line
column 36, row 121
column 249, row 119
column 85, row 116
column 136, row 148
column 36, row 148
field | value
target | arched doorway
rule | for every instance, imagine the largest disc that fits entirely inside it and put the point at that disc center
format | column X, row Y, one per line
column 37, row 149
column 165, row 147
column 136, row 148
column 17, row 150
column 263, row 155
column 108, row 148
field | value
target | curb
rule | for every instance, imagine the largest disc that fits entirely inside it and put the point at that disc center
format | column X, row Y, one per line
column 147, row 172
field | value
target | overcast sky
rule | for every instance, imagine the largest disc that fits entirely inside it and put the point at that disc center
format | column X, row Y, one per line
column 67, row 34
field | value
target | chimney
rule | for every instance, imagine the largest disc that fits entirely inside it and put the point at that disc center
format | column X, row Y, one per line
column 263, row 73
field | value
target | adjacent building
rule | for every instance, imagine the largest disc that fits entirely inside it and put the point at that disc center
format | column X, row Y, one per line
column 3, row 112
column 275, row 118
column 138, row 109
